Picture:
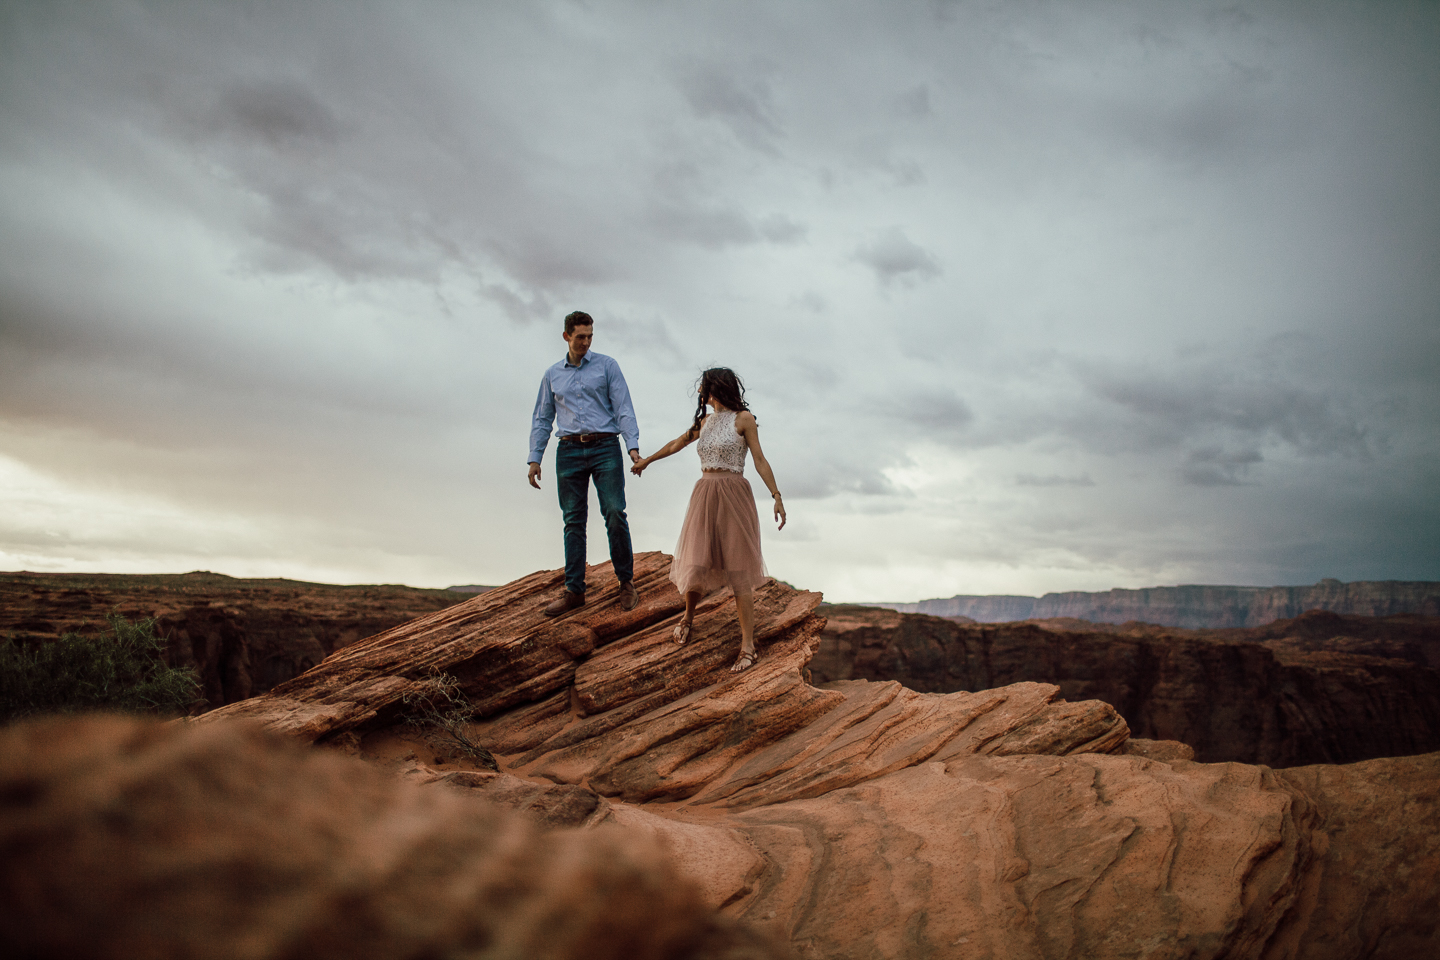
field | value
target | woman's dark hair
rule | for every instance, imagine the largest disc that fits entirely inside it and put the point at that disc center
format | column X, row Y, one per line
column 722, row 384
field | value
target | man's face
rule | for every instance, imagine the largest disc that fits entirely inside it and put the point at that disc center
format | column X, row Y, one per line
column 579, row 341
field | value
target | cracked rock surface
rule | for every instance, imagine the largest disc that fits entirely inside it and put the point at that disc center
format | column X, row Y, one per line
column 866, row 820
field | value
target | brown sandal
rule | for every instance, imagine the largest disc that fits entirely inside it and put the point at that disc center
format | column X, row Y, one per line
column 745, row 661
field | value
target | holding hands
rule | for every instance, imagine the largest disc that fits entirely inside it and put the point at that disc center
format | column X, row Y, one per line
column 642, row 462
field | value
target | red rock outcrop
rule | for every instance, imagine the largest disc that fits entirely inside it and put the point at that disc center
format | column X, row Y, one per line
column 241, row 636
column 1280, row 695
column 1409, row 637
column 867, row 820
column 1196, row 606
column 124, row 839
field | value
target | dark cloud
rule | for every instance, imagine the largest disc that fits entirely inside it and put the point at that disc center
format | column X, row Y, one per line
column 283, row 115
column 817, row 476
column 931, row 413
column 810, row 301
column 739, row 99
column 374, row 165
column 308, row 259
column 520, row 306
column 650, row 336
column 778, row 228
column 1053, row 480
column 914, row 103
column 1193, row 402
column 687, row 206
column 1216, row 467
column 896, row 259
column 877, row 154
column 715, row 228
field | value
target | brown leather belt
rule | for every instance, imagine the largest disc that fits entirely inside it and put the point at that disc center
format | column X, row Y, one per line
column 587, row 437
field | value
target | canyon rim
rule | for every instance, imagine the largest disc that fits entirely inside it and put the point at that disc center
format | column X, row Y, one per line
column 861, row 819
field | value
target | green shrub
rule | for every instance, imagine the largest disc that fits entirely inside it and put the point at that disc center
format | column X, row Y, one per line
column 120, row 669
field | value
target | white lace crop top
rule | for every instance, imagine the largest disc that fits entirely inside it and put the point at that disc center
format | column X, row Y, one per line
column 719, row 446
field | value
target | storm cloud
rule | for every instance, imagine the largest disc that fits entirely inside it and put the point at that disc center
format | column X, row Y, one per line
column 1027, row 296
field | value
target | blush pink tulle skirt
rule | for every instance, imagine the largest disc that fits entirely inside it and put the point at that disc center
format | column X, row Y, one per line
column 720, row 538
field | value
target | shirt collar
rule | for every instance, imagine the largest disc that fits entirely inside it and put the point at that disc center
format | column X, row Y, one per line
column 583, row 360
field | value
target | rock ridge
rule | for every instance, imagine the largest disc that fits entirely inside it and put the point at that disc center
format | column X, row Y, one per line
column 1193, row 606
column 863, row 819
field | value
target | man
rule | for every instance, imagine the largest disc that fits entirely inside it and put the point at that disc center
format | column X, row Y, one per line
column 586, row 392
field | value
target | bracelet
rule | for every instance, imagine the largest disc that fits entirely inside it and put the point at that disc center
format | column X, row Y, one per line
column 777, row 496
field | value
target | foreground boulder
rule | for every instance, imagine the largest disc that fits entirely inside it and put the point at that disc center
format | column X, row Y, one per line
column 125, row 839
column 868, row 820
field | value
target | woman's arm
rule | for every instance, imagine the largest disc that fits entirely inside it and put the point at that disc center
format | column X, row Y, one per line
column 747, row 427
column 674, row 446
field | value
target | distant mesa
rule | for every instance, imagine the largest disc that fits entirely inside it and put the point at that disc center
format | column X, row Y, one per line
column 469, row 588
column 1196, row 607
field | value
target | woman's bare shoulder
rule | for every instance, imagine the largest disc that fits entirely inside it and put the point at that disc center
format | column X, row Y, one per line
column 744, row 420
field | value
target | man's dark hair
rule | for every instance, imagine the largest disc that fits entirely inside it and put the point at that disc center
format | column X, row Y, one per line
column 578, row 319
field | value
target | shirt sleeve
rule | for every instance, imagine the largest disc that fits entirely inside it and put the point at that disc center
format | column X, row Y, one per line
column 624, row 409
column 542, row 421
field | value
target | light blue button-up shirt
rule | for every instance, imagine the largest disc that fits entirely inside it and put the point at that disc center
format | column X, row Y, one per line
column 590, row 398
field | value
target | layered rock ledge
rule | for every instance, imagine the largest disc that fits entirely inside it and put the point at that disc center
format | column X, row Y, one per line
column 242, row 637
column 867, row 820
column 1317, row 689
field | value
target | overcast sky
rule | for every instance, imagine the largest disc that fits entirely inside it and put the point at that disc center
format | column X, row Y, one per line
column 1028, row 296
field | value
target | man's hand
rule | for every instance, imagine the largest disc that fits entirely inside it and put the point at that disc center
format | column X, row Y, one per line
column 535, row 475
column 634, row 455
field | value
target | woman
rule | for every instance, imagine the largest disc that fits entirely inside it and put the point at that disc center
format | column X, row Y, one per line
column 720, row 538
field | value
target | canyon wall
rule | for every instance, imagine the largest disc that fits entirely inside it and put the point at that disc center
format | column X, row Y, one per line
column 863, row 820
column 720, row 814
column 1195, row 607
column 1307, row 690
column 241, row 636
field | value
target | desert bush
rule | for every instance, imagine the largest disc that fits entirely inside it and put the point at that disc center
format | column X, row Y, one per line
column 118, row 669
column 440, row 707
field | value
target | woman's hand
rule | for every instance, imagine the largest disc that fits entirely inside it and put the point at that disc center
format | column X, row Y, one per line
column 640, row 465
column 780, row 511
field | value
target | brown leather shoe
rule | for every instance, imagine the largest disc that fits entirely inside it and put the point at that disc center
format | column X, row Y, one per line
column 568, row 601
column 629, row 596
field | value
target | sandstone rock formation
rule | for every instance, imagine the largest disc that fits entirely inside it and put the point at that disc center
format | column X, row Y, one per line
column 241, row 636
column 125, row 839
column 1195, row 607
column 866, row 820
column 1408, row 637
column 1282, row 695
